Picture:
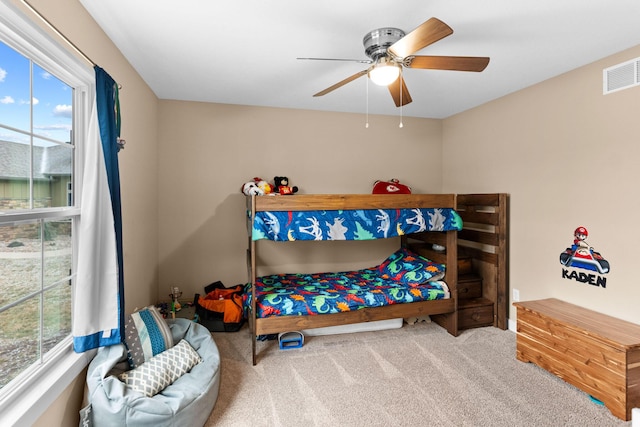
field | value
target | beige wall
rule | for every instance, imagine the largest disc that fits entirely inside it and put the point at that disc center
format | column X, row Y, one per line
column 138, row 171
column 64, row 411
column 207, row 151
column 569, row 156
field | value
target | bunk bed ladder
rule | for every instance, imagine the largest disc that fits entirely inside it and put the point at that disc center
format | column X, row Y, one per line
column 484, row 239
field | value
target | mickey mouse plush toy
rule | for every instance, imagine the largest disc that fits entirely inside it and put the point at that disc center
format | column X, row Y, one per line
column 281, row 185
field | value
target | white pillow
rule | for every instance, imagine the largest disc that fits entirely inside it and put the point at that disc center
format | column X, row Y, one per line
column 162, row 370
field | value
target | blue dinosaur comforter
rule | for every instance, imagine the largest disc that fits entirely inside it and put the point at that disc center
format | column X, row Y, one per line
column 321, row 293
column 363, row 224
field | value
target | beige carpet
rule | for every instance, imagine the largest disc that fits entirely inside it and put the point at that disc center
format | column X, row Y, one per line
column 414, row 376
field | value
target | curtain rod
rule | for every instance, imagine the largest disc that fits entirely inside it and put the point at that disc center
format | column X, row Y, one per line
column 59, row 33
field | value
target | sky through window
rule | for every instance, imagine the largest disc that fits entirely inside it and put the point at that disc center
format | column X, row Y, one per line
column 51, row 101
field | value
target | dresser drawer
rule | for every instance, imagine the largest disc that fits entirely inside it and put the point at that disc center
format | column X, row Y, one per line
column 469, row 288
column 474, row 316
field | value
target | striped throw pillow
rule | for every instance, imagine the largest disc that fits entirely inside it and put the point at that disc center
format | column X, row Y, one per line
column 146, row 334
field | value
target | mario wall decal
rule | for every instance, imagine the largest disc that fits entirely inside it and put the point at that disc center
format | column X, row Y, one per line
column 582, row 256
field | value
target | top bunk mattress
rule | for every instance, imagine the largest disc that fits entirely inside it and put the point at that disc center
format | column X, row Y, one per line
column 358, row 224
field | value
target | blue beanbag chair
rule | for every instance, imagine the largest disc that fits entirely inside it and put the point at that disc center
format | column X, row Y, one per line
column 188, row 401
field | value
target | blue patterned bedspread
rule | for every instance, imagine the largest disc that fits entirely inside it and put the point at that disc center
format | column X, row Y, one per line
column 308, row 294
column 365, row 224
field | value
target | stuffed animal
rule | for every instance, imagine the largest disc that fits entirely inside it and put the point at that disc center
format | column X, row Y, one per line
column 281, row 184
column 263, row 185
column 392, row 186
column 257, row 187
column 251, row 189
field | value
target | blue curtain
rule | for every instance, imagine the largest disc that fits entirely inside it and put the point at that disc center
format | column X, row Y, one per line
column 99, row 292
column 109, row 121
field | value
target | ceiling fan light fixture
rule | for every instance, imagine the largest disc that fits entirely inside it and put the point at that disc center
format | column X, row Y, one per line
column 384, row 72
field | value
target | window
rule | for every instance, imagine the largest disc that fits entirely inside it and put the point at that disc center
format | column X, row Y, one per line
column 43, row 116
column 36, row 167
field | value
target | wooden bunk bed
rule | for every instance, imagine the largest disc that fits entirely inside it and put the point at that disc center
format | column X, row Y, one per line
column 476, row 258
column 444, row 310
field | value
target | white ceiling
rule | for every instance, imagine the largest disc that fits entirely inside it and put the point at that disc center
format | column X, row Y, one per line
column 244, row 52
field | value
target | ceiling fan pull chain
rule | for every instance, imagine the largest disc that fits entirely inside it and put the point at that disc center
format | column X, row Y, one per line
column 367, row 120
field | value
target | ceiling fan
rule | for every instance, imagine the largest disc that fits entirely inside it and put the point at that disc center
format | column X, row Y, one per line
column 390, row 49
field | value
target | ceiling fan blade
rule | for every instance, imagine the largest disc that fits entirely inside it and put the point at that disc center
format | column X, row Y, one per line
column 455, row 63
column 342, row 83
column 427, row 33
column 360, row 61
column 394, row 90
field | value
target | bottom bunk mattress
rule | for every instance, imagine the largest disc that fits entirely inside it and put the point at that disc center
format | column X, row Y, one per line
column 403, row 278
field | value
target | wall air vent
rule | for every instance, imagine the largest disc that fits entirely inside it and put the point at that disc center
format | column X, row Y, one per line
column 621, row 76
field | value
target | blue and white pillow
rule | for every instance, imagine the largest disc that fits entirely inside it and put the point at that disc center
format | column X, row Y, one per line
column 146, row 334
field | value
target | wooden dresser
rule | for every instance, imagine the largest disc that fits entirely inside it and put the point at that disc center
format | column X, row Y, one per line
column 597, row 353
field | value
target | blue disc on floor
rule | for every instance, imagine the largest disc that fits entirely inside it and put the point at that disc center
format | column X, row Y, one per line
column 596, row 401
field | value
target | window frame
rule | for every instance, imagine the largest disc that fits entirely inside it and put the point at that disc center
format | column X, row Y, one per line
column 31, row 393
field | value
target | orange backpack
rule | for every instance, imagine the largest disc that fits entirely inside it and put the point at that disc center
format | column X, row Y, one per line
column 220, row 310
